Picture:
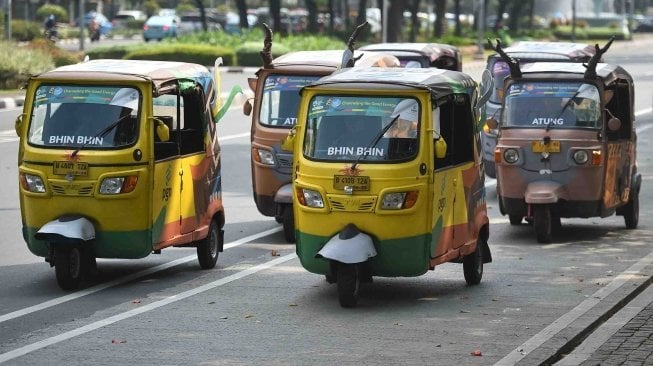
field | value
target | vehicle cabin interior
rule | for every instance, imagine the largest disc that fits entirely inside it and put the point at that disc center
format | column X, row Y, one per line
column 456, row 126
column 619, row 106
column 186, row 118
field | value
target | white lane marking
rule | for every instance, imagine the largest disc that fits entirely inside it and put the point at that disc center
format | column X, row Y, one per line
column 563, row 321
column 643, row 111
column 121, row 280
column 231, row 137
column 140, row 310
column 607, row 329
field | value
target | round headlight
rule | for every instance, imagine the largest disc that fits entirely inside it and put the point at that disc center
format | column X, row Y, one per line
column 511, row 156
column 581, row 157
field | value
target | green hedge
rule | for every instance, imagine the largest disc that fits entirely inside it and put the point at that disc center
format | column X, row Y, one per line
column 194, row 53
column 23, row 31
column 17, row 66
column 249, row 54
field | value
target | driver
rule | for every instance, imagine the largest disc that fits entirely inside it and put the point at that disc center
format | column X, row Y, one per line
column 406, row 125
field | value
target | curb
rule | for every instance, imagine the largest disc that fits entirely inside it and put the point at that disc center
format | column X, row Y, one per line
column 12, row 102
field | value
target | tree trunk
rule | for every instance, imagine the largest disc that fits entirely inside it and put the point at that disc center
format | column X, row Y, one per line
column 501, row 8
column 459, row 28
column 440, row 18
column 311, row 6
column 200, row 6
column 242, row 13
column 395, row 16
column 332, row 16
column 414, row 20
column 515, row 15
column 275, row 13
column 362, row 12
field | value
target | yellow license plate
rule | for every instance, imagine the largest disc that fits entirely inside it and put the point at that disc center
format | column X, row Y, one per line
column 358, row 183
column 551, row 147
column 70, row 167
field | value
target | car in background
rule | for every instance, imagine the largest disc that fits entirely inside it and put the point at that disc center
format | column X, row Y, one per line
column 158, row 27
column 125, row 16
column 105, row 25
column 192, row 22
column 232, row 22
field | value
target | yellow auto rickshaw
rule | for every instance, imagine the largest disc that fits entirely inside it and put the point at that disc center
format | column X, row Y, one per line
column 387, row 176
column 120, row 159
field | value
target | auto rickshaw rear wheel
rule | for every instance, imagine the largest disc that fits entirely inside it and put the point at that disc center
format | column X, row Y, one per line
column 70, row 264
column 348, row 281
column 473, row 264
column 208, row 249
column 631, row 211
column 288, row 224
column 543, row 222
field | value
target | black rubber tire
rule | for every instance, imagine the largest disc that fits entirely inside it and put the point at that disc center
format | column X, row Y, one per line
column 631, row 212
column 473, row 265
column 348, row 282
column 543, row 223
column 289, row 224
column 515, row 219
column 69, row 263
column 490, row 169
column 208, row 249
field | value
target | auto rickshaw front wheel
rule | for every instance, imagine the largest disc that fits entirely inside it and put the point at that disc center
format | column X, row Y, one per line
column 631, row 211
column 288, row 224
column 208, row 249
column 473, row 264
column 71, row 263
column 348, row 280
column 543, row 222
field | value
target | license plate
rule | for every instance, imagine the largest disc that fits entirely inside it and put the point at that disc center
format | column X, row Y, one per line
column 70, row 167
column 551, row 147
column 358, row 183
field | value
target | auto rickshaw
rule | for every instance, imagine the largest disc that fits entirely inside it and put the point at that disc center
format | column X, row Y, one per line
column 387, row 176
column 524, row 52
column 120, row 159
column 274, row 112
column 439, row 55
column 567, row 145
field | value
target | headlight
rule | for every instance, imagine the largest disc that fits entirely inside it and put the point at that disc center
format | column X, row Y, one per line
column 264, row 157
column 511, row 156
column 32, row 183
column 399, row 200
column 310, row 198
column 117, row 185
column 581, row 157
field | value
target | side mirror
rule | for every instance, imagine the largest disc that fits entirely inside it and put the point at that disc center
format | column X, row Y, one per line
column 487, row 83
column 252, row 82
column 247, row 108
column 18, row 123
column 162, row 130
column 492, row 123
column 288, row 142
column 614, row 124
column 440, row 148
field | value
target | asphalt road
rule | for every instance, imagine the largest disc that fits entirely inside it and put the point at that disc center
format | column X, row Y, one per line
column 259, row 306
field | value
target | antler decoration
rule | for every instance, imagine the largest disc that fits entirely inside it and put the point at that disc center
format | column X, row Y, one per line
column 266, row 53
column 515, row 71
column 590, row 73
column 348, row 56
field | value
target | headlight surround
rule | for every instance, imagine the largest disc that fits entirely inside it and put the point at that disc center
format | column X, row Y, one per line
column 511, row 156
column 399, row 200
column 32, row 183
column 118, row 185
column 581, row 157
column 310, row 198
column 265, row 157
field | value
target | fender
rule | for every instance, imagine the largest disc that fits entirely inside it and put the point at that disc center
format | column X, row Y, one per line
column 349, row 246
column 67, row 229
column 284, row 194
column 545, row 192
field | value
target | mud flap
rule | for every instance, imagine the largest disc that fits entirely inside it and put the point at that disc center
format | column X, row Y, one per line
column 67, row 230
column 544, row 192
column 348, row 249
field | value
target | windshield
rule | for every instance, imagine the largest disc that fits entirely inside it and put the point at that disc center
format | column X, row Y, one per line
column 552, row 104
column 281, row 99
column 92, row 116
column 347, row 128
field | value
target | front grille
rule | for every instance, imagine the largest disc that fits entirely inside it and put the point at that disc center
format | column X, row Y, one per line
column 352, row 203
column 65, row 188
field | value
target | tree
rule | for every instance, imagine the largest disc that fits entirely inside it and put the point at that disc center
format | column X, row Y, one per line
column 311, row 6
column 458, row 32
column 440, row 18
column 362, row 12
column 275, row 12
column 395, row 16
column 200, row 7
column 414, row 21
column 515, row 14
column 242, row 13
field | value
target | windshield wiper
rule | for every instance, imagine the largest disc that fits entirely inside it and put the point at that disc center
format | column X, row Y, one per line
column 101, row 133
column 564, row 107
column 374, row 141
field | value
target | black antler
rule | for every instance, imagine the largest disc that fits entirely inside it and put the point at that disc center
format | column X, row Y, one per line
column 590, row 73
column 266, row 53
column 515, row 71
column 348, row 56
